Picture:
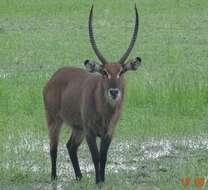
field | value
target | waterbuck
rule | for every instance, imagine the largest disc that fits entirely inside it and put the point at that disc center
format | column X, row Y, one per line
column 90, row 103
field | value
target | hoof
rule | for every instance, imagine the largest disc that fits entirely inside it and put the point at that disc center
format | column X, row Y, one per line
column 53, row 178
column 100, row 184
column 78, row 178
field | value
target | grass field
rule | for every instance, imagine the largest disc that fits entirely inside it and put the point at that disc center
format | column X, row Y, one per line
column 162, row 135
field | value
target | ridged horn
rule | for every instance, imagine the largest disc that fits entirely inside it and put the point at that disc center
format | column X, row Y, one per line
column 92, row 39
column 133, row 39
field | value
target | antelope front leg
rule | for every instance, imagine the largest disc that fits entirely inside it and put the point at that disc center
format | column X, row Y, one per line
column 105, row 143
column 91, row 141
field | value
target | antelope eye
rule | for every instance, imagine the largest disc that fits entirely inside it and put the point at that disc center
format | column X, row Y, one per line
column 104, row 73
column 122, row 71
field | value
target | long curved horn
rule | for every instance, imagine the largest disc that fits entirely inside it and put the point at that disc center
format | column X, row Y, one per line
column 92, row 39
column 133, row 39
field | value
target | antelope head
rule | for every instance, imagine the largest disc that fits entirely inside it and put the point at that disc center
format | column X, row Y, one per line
column 112, row 72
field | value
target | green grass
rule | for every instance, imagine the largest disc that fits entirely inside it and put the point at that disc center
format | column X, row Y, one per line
column 167, row 96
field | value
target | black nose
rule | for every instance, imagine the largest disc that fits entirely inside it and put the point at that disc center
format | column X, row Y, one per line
column 114, row 92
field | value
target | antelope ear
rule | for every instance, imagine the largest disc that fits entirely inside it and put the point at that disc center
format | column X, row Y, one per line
column 132, row 65
column 91, row 66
